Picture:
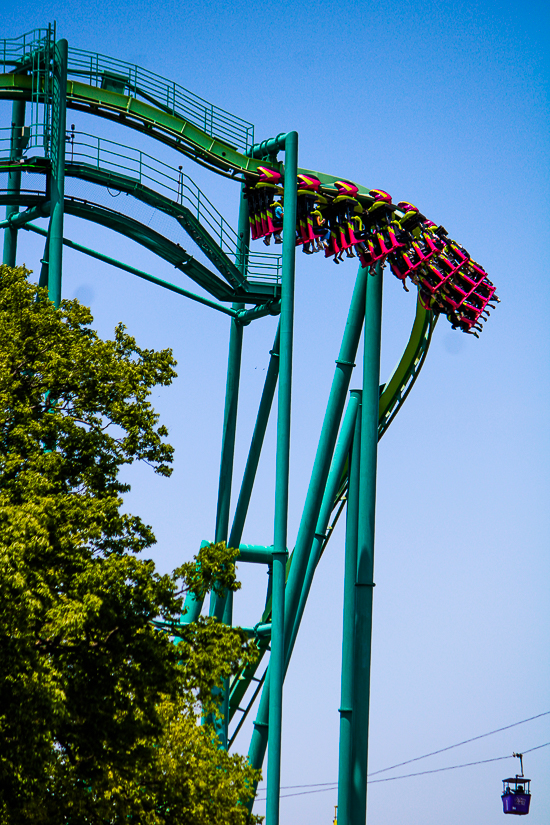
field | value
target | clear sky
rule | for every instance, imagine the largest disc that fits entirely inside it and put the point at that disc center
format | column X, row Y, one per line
column 444, row 104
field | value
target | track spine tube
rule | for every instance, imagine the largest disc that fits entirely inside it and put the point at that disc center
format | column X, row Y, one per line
column 346, row 710
column 365, row 545
column 14, row 181
column 300, row 556
column 57, row 180
column 277, row 657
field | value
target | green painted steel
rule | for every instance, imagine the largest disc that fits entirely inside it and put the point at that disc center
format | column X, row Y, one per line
column 244, row 678
column 57, row 175
column 229, row 429
column 221, row 605
column 256, row 444
column 230, row 412
column 20, row 219
column 14, row 179
column 340, row 385
column 114, row 166
column 245, row 316
column 282, row 474
column 140, row 274
column 402, row 380
column 346, row 710
column 364, row 583
column 327, row 505
column 255, row 553
column 393, row 396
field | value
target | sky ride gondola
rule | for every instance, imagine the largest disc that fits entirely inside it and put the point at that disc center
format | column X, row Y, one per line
column 516, row 792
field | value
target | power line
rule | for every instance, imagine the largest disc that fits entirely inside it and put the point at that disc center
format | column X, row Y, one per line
column 453, row 767
column 465, row 742
column 334, row 785
column 426, row 755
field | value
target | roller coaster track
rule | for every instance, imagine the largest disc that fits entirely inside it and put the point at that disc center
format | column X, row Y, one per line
column 139, row 100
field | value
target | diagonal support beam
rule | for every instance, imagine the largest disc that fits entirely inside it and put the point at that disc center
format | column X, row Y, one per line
column 99, row 256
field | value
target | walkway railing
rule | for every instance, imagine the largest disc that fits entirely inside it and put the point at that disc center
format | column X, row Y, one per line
column 171, row 184
column 32, row 54
column 18, row 50
column 127, row 78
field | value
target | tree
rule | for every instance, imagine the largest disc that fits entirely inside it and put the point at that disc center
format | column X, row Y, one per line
column 99, row 710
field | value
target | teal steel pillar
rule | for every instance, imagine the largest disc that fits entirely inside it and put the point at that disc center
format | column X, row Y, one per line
column 277, row 657
column 303, row 548
column 44, row 269
column 337, row 469
column 256, row 444
column 346, row 710
column 231, row 399
column 57, row 177
column 365, row 545
column 229, row 428
column 14, row 180
column 221, row 606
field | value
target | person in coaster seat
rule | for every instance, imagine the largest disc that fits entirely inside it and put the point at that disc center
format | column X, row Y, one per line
column 277, row 211
column 320, row 230
column 345, row 205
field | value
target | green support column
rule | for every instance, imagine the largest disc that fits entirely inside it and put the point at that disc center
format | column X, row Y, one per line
column 222, row 606
column 256, row 444
column 365, row 545
column 337, row 469
column 229, row 429
column 57, row 177
column 345, row 761
column 232, row 391
column 306, row 533
column 14, row 179
column 277, row 657
column 231, row 403
column 44, row 269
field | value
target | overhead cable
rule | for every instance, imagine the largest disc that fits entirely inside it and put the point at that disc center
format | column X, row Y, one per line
column 334, row 785
column 432, row 753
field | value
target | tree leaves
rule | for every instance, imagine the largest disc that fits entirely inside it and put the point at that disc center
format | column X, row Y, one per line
column 99, row 711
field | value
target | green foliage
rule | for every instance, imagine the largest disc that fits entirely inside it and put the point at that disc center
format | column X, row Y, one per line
column 99, row 712
column 213, row 569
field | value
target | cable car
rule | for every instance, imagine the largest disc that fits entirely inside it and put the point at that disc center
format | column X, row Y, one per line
column 516, row 792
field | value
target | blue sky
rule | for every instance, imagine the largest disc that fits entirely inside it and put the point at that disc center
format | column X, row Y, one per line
column 446, row 105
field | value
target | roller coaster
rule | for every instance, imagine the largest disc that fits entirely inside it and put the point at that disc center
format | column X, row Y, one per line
column 49, row 170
